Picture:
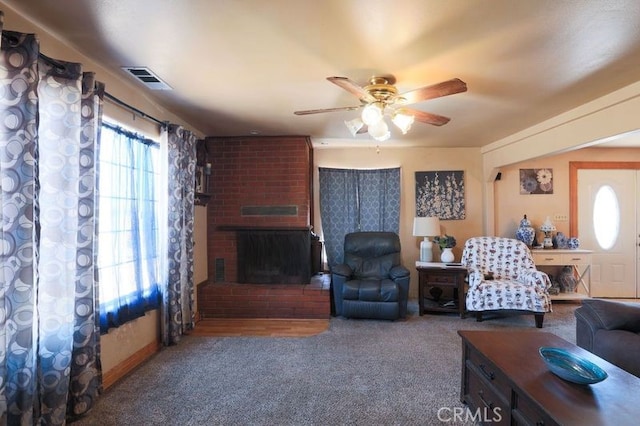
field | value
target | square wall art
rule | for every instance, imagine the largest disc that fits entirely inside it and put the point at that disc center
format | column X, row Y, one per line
column 440, row 193
column 536, row 181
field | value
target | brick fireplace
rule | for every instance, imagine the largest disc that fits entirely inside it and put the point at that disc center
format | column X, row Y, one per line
column 261, row 186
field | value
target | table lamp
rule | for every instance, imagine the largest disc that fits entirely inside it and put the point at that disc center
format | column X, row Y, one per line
column 548, row 228
column 426, row 227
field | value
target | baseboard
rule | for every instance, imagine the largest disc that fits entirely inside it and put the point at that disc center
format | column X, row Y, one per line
column 130, row 364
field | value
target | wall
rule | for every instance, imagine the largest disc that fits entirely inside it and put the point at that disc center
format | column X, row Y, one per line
column 412, row 160
column 608, row 118
column 130, row 343
column 200, row 261
column 510, row 206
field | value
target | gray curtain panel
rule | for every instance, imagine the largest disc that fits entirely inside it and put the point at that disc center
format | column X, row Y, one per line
column 177, row 293
column 49, row 359
column 357, row 200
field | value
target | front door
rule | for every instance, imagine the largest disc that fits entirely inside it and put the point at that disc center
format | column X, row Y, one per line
column 608, row 225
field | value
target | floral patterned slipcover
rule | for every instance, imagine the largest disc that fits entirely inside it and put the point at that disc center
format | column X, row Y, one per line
column 502, row 275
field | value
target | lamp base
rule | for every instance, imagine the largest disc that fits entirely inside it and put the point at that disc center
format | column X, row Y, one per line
column 426, row 250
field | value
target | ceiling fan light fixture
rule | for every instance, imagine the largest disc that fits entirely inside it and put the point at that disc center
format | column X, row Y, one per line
column 373, row 113
column 354, row 125
column 403, row 121
column 379, row 131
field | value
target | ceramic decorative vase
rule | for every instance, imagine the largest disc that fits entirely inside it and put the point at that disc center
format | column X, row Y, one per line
column 435, row 292
column 525, row 232
column 561, row 241
column 573, row 243
column 567, row 280
column 447, row 255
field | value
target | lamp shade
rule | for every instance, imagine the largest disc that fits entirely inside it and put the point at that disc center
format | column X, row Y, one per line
column 426, row 226
column 372, row 113
column 403, row 121
column 354, row 125
column 379, row 131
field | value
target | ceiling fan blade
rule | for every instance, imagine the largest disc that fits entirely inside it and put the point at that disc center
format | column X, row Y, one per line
column 318, row 111
column 352, row 88
column 427, row 117
column 445, row 88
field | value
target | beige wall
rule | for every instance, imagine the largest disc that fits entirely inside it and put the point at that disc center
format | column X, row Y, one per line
column 121, row 343
column 411, row 160
column 200, row 268
column 608, row 118
column 510, row 206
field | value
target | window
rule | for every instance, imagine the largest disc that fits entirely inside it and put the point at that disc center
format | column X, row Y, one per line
column 606, row 217
column 128, row 234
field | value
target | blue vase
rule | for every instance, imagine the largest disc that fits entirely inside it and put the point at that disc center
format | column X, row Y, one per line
column 573, row 243
column 561, row 241
column 525, row 232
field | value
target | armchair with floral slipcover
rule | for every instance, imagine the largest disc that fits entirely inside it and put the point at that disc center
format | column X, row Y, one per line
column 503, row 277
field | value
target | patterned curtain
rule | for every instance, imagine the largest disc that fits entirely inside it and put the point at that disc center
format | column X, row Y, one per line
column 177, row 292
column 357, row 200
column 49, row 337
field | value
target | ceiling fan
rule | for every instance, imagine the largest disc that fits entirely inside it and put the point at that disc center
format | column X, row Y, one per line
column 380, row 97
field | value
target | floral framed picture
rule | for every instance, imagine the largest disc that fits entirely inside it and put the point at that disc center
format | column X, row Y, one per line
column 536, row 181
column 440, row 193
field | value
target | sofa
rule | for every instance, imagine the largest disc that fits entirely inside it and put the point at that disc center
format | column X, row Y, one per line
column 371, row 282
column 610, row 330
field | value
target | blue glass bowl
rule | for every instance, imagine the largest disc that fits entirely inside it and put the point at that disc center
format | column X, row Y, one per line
column 570, row 367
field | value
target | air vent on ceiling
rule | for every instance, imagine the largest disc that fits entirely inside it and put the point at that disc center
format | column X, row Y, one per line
column 147, row 77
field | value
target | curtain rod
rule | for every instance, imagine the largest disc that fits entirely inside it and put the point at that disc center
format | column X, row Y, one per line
column 135, row 110
column 61, row 67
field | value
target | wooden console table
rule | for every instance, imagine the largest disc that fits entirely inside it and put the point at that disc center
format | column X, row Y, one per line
column 441, row 275
column 578, row 259
column 505, row 379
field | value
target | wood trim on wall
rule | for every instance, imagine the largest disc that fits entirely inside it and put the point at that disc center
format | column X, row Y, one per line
column 129, row 364
column 574, row 166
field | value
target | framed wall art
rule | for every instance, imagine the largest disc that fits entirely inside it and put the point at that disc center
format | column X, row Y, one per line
column 440, row 193
column 536, row 181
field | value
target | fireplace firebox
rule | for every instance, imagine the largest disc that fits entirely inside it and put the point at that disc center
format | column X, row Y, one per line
column 274, row 255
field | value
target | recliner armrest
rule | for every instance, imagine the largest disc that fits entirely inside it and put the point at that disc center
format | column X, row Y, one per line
column 612, row 315
column 398, row 271
column 342, row 269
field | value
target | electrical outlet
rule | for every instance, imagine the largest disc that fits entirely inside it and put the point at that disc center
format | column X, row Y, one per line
column 560, row 217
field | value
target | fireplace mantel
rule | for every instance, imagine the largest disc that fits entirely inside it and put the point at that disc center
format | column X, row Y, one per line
column 262, row 228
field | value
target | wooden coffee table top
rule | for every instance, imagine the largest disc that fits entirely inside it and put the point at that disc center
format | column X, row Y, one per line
column 616, row 400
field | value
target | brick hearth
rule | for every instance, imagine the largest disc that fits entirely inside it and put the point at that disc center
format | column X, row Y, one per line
column 234, row 300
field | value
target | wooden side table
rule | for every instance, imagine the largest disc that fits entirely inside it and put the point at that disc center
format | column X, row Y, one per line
column 441, row 275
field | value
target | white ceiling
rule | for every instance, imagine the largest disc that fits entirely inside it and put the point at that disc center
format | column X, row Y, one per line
column 238, row 66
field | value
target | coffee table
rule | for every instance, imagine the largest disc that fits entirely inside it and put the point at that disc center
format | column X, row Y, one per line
column 505, row 380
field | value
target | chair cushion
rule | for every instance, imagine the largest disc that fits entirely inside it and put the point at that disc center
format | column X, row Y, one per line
column 505, row 294
column 371, row 255
column 384, row 290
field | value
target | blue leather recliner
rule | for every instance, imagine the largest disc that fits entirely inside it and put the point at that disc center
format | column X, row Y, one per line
column 611, row 330
column 371, row 283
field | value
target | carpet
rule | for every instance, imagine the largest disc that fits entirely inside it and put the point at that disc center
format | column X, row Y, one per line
column 358, row 372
